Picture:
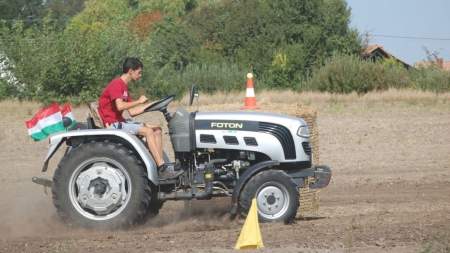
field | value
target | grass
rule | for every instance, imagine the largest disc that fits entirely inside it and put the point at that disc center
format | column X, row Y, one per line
column 287, row 96
column 280, row 100
column 324, row 101
column 438, row 244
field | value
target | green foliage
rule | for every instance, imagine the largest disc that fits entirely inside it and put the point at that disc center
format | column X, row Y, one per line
column 339, row 75
column 431, row 79
column 65, row 8
column 283, row 73
column 99, row 15
column 213, row 77
column 77, row 62
column 4, row 87
column 32, row 12
column 77, row 47
column 21, row 9
column 254, row 33
column 207, row 77
column 175, row 8
column 31, row 52
column 349, row 73
column 171, row 44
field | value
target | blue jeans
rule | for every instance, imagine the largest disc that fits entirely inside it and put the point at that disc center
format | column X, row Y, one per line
column 128, row 126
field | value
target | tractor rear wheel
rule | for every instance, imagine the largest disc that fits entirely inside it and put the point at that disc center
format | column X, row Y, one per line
column 102, row 185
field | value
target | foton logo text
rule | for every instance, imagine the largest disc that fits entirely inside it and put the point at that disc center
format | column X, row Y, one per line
column 226, row 125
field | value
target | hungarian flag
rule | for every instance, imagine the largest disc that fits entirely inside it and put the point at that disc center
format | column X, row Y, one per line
column 46, row 121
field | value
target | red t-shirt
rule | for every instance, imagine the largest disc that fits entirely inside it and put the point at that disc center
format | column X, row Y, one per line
column 117, row 88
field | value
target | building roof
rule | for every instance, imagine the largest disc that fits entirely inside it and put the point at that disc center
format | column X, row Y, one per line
column 446, row 65
column 377, row 51
column 439, row 62
column 370, row 49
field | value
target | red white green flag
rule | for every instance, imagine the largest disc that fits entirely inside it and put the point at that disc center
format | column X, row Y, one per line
column 46, row 121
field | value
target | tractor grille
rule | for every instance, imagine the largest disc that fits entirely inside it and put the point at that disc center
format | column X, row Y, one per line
column 231, row 140
column 283, row 135
column 207, row 138
column 250, row 141
column 306, row 148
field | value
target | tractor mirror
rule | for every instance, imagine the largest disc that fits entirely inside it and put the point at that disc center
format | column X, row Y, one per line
column 193, row 94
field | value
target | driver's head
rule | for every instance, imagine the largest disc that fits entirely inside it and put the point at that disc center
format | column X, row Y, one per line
column 133, row 67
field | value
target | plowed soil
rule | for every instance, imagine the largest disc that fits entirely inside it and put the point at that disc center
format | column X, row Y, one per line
column 390, row 190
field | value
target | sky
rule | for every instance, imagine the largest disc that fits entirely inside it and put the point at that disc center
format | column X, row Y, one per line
column 405, row 18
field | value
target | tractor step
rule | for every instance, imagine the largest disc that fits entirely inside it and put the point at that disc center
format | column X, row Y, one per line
column 167, row 181
column 42, row 181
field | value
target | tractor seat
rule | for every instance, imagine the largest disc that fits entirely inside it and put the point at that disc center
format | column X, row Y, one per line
column 93, row 119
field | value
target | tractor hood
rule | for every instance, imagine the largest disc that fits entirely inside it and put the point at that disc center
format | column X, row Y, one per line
column 229, row 119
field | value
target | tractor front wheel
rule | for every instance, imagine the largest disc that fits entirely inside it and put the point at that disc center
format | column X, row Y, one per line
column 276, row 196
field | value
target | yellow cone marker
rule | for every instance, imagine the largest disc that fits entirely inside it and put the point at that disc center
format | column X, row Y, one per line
column 250, row 237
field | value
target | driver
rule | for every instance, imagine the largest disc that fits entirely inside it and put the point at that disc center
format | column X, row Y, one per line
column 115, row 99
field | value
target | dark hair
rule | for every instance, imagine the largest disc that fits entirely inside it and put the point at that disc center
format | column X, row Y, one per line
column 131, row 63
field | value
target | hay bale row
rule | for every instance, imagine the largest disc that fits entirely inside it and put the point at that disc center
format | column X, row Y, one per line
column 309, row 202
column 309, row 198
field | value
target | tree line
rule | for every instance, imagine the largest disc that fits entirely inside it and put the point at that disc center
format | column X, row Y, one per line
column 69, row 50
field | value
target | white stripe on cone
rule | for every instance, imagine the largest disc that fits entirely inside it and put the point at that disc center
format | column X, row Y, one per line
column 250, row 92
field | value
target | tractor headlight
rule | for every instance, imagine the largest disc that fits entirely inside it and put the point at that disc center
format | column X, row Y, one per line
column 303, row 131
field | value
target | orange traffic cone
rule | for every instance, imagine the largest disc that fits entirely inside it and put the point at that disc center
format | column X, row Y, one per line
column 250, row 99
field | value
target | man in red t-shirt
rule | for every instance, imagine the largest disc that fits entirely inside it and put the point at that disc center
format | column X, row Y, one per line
column 115, row 99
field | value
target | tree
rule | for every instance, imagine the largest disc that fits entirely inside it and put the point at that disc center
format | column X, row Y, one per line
column 34, row 11
column 25, row 10
column 77, row 46
column 255, row 32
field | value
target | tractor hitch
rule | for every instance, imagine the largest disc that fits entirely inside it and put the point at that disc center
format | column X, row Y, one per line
column 322, row 177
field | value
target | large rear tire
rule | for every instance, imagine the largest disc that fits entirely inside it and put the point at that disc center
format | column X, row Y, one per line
column 102, row 185
column 276, row 196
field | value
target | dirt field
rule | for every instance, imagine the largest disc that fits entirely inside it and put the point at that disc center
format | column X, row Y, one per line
column 390, row 192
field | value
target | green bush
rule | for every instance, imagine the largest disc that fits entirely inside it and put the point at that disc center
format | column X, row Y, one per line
column 349, row 73
column 77, row 62
column 283, row 72
column 254, row 33
column 208, row 78
column 171, row 44
column 214, row 77
column 3, row 89
column 174, row 8
column 288, row 44
column 431, row 79
column 31, row 53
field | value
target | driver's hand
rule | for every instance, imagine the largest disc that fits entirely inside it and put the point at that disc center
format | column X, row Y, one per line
column 142, row 99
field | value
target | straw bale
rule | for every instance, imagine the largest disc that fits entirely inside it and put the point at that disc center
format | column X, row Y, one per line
column 309, row 198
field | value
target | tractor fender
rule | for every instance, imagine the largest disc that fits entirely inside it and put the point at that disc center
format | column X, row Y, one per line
column 57, row 139
column 243, row 179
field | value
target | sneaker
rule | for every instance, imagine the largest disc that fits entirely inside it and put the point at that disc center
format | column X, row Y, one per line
column 167, row 171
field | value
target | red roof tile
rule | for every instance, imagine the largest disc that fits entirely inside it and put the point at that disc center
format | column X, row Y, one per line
column 370, row 49
column 446, row 65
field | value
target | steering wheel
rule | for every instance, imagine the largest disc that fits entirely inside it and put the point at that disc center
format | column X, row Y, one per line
column 160, row 105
